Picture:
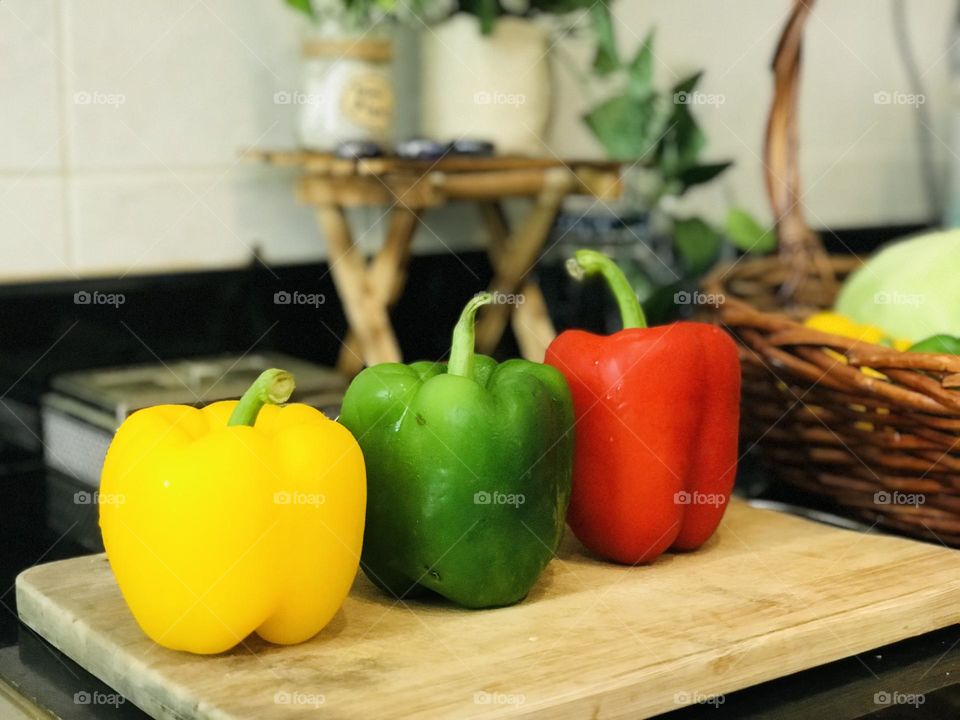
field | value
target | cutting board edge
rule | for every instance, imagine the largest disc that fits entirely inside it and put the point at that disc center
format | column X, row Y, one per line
column 31, row 604
column 613, row 701
column 903, row 615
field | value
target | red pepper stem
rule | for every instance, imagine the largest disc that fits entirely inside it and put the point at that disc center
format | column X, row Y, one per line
column 590, row 262
column 273, row 386
column 462, row 346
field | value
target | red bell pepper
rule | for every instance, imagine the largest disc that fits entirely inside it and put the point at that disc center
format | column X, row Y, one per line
column 657, row 416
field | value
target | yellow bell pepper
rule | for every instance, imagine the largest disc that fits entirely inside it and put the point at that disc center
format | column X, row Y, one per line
column 236, row 518
column 837, row 324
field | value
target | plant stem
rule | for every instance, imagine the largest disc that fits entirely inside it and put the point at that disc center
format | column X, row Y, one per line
column 590, row 262
column 273, row 386
column 462, row 345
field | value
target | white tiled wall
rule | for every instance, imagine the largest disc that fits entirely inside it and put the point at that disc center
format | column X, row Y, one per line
column 121, row 124
column 32, row 229
column 859, row 159
column 121, row 133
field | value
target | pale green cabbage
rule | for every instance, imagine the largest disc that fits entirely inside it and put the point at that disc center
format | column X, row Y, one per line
column 910, row 289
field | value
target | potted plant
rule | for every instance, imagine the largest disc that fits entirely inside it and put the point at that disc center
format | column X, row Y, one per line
column 347, row 91
column 485, row 70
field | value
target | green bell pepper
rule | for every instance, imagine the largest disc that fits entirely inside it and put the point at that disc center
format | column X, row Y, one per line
column 938, row 344
column 468, row 471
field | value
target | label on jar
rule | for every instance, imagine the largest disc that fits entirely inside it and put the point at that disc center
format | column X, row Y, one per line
column 368, row 101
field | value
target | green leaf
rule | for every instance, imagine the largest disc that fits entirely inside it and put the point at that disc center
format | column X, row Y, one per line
column 698, row 244
column 487, row 11
column 683, row 141
column 699, row 174
column 661, row 307
column 747, row 234
column 304, row 6
column 607, row 58
column 561, row 7
column 641, row 69
column 626, row 126
column 688, row 84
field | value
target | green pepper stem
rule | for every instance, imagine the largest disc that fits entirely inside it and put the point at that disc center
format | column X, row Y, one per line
column 461, row 348
column 273, row 386
column 590, row 262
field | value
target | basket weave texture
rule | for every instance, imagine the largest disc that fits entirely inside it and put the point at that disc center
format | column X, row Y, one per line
column 883, row 442
column 886, row 447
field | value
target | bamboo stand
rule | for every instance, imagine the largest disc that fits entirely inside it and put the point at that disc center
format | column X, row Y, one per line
column 368, row 289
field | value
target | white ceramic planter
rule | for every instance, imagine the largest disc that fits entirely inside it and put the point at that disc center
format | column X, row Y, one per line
column 494, row 87
column 347, row 92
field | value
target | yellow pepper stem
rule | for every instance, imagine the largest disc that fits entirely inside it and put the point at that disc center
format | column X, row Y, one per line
column 273, row 386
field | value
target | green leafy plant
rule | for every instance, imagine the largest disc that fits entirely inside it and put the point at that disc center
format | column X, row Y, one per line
column 487, row 11
column 304, row 6
column 747, row 234
column 357, row 13
column 640, row 124
column 658, row 134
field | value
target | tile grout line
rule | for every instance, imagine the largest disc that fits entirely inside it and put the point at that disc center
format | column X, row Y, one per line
column 65, row 118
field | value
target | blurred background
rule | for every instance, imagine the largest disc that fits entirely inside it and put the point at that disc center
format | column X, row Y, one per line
column 150, row 155
column 123, row 122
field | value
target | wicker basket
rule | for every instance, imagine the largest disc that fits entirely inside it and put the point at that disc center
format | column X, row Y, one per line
column 883, row 443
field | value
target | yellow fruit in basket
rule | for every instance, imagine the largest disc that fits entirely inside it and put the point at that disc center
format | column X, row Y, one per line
column 841, row 358
column 836, row 324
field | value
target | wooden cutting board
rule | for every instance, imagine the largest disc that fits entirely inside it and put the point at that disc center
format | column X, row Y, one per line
column 769, row 595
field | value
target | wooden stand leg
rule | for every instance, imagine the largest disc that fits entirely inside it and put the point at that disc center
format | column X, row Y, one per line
column 366, row 316
column 530, row 320
column 388, row 271
column 385, row 279
column 532, row 325
column 521, row 255
column 350, row 358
